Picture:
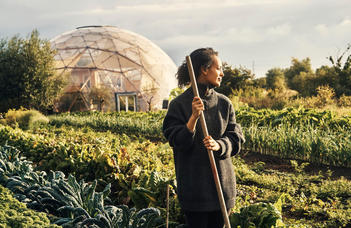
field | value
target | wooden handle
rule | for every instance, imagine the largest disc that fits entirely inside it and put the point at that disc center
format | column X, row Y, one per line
column 210, row 152
column 167, row 209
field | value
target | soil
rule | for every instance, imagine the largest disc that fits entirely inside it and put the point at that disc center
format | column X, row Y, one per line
column 283, row 165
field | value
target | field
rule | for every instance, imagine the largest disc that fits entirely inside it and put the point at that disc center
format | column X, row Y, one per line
column 298, row 160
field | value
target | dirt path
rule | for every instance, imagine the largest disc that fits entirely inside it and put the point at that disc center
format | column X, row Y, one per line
column 276, row 163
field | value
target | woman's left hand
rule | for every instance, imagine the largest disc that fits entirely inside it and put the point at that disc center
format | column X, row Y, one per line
column 211, row 144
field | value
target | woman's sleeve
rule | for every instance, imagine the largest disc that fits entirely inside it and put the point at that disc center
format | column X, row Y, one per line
column 175, row 129
column 232, row 138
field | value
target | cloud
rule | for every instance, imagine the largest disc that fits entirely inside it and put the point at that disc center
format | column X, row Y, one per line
column 229, row 37
column 341, row 29
column 345, row 23
column 322, row 29
column 279, row 30
column 162, row 5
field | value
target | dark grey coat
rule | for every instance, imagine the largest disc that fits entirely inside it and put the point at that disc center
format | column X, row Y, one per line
column 195, row 185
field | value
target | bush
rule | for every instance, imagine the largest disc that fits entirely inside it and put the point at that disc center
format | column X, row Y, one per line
column 344, row 101
column 260, row 98
column 237, row 104
column 24, row 119
column 325, row 96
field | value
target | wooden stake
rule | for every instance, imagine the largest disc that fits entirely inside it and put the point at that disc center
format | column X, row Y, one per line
column 167, row 210
column 210, row 152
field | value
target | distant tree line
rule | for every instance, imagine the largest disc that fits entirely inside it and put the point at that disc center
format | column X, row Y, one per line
column 299, row 77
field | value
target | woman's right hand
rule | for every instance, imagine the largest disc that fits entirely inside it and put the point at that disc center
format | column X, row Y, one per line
column 197, row 107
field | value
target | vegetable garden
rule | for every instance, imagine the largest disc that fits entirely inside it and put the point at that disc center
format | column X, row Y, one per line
column 112, row 169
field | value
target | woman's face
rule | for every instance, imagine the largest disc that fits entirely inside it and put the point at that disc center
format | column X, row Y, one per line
column 214, row 74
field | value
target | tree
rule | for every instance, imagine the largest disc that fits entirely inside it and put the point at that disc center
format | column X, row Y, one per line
column 295, row 70
column 306, row 84
column 27, row 75
column 327, row 76
column 260, row 82
column 234, row 79
column 343, row 71
column 275, row 79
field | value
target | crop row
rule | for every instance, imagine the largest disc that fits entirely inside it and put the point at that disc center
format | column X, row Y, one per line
column 70, row 153
column 149, row 124
column 292, row 116
column 140, row 124
column 319, row 146
column 318, row 137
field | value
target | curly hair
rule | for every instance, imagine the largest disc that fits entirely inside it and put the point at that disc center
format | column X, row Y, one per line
column 200, row 58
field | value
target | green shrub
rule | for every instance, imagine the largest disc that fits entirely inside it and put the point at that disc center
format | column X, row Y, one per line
column 325, row 96
column 24, row 119
column 344, row 101
column 236, row 102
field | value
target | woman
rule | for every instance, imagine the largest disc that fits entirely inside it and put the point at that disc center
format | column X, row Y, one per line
column 195, row 183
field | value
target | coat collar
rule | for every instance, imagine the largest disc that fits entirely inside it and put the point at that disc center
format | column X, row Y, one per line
column 205, row 90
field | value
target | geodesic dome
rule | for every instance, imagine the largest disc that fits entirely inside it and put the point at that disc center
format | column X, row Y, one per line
column 112, row 69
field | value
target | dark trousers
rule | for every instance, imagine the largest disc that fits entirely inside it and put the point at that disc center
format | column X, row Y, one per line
column 204, row 219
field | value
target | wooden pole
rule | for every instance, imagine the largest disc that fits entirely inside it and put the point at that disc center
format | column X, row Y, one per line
column 210, row 152
column 167, row 210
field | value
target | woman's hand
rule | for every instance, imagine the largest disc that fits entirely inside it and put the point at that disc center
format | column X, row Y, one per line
column 211, row 144
column 197, row 107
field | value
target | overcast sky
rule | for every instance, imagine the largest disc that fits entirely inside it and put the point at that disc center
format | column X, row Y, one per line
column 256, row 34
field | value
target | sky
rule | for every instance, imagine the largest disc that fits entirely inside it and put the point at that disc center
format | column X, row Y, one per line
column 256, row 34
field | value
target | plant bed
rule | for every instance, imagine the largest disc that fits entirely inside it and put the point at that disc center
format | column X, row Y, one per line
column 284, row 165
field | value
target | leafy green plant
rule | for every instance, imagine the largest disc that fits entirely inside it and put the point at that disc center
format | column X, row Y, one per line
column 299, row 168
column 34, row 189
column 263, row 215
column 149, row 190
column 81, row 197
column 12, row 164
column 16, row 214
column 121, row 216
column 57, row 195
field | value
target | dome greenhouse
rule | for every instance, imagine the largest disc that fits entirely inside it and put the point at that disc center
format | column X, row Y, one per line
column 110, row 69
